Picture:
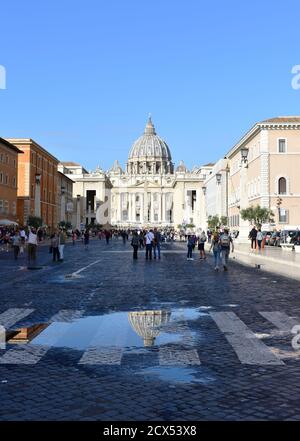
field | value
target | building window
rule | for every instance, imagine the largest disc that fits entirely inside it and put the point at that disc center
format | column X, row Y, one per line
column 282, row 145
column 14, row 208
column 282, row 186
column 6, row 180
column 1, row 178
column 14, row 182
column 6, row 207
column 1, row 206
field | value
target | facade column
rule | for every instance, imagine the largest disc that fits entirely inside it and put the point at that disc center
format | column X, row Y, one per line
column 134, row 208
column 141, row 208
column 152, row 208
column 120, row 207
column 163, row 197
column 78, row 214
column 159, row 207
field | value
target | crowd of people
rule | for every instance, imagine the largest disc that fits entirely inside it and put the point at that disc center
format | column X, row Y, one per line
column 148, row 240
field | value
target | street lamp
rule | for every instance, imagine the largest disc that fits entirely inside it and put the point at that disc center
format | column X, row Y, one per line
column 218, row 178
column 244, row 154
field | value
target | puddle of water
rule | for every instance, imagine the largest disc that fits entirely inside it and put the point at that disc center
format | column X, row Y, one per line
column 231, row 305
column 136, row 329
column 177, row 375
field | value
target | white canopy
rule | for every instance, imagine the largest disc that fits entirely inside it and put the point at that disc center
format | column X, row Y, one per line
column 5, row 222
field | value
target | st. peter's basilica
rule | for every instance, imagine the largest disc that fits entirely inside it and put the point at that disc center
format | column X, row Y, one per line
column 150, row 192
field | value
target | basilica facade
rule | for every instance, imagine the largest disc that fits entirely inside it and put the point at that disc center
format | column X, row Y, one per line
column 149, row 192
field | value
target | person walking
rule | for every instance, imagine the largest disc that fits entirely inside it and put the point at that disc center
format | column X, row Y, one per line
column 107, row 236
column 225, row 241
column 23, row 240
column 216, row 247
column 190, row 244
column 253, row 236
column 201, row 243
column 61, row 244
column 74, row 237
column 149, row 237
column 86, row 239
column 259, row 238
column 141, row 239
column 16, row 242
column 54, row 247
column 156, row 243
column 135, row 241
column 32, row 245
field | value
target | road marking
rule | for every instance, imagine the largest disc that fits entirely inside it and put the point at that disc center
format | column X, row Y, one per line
column 281, row 320
column 76, row 273
column 13, row 315
column 31, row 353
column 102, row 356
column 173, row 356
column 248, row 348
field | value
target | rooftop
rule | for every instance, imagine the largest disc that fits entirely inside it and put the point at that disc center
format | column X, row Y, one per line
column 283, row 119
column 9, row 145
column 70, row 164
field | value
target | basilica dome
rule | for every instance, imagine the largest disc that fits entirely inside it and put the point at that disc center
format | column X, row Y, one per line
column 150, row 148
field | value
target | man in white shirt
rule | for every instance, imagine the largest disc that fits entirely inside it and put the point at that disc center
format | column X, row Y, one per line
column 32, row 245
column 149, row 237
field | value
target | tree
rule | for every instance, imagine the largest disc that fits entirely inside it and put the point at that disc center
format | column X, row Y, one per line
column 190, row 225
column 213, row 222
column 257, row 215
column 224, row 220
column 35, row 221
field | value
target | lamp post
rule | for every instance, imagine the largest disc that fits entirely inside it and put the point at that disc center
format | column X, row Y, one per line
column 203, row 210
column 218, row 195
column 62, row 204
column 37, row 196
column 243, row 203
column 278, row 204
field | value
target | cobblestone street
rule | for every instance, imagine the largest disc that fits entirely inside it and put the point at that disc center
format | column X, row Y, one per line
column 217, row 345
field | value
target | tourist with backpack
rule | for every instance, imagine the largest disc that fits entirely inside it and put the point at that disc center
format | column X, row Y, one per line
column 201, row 242
column 216, row 247
column 225, row 241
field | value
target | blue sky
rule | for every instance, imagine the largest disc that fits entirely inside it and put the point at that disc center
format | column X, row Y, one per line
column 82, row 77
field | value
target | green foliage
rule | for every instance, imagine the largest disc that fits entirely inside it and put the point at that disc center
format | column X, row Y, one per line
column 224, row 221
column 34, row 221
column 66, row 225
column 257, row 215
column 213, row 222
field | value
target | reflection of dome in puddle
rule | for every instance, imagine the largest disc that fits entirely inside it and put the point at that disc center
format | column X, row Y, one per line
column 147, row 324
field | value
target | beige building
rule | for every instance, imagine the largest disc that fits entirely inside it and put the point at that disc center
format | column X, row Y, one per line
column 64, row 198
column 264, row 170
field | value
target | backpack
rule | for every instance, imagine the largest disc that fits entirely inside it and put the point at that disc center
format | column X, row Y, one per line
column 225, row 240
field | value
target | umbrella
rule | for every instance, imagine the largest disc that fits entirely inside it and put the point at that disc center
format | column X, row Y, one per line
column 7, row 222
